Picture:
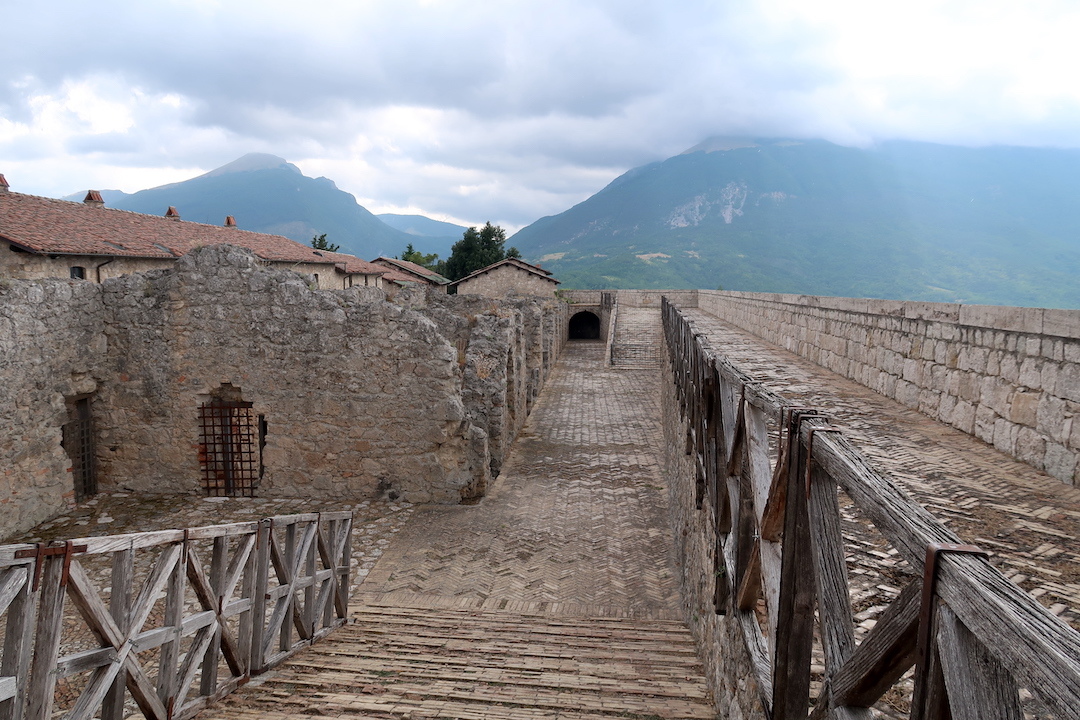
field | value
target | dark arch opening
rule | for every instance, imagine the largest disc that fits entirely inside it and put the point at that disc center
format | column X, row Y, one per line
column 584, row 326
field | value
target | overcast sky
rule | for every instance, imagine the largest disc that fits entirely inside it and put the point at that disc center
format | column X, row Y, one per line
column 475, row 110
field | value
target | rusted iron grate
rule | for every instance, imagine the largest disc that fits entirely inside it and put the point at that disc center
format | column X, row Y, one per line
column 228, row 449
column 78, row 440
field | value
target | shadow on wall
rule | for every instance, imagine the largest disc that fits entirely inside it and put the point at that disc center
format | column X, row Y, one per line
column 584, row 326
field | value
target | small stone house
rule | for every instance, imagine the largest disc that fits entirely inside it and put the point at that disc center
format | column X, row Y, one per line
column 508, row 277
column 43, row 237
column 403, row 273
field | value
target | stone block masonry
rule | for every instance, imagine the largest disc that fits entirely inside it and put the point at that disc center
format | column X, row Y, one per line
column 1009, row 376
column 348, row 395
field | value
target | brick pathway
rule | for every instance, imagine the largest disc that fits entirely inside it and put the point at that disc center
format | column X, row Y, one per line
column 1027, row 519
column 554, row 597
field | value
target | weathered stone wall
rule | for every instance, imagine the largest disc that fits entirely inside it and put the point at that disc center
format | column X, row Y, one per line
column 14, row 264
column 507, row 280
column 360, row 396
column 506, row 348
column 1010, row 376
column 720, row 643
column 52, row 340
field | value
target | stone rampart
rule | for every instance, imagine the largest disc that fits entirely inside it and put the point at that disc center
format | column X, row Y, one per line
column 1008, row 375
column 354, row 396
column 728, row 666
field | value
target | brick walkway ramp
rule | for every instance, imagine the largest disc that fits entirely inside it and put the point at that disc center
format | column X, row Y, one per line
column 555, row 597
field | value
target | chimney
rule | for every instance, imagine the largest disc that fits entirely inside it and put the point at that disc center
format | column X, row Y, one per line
column 230, row 221
column 3, row 185
column 93, row 198
column 172, row 214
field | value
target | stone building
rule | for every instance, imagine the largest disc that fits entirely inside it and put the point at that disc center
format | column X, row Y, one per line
column 403, row 273
column 42, row 237
column 221, row 375
column 508, row 277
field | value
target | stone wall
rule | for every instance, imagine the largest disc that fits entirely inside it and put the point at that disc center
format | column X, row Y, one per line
column 52, row 339
column 1010, row 376
column 358, row 396
column 507, row 280
column 728, row 666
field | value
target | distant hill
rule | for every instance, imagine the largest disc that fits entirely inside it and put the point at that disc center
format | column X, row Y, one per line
column 903, row 220
column 267, row 194
column 432, row 236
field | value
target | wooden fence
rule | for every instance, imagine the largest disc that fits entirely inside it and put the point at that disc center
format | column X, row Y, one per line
column 978, row 643
column 172, row 619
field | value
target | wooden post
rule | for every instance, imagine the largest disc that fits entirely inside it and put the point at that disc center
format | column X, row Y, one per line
column 47, row 648
column 123, row 571
column 18, row 638
column 791, row 669
column 258, row 614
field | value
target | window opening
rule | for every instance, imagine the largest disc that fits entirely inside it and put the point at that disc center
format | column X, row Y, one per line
column 230, row 459
column 78, row 441
column 78, row 272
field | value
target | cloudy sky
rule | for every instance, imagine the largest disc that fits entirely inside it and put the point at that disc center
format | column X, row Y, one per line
column 507, row 110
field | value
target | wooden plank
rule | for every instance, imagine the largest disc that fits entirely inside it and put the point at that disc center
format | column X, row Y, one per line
column 123, row 571
column 86, row 599
column 884, row 655
column 830, row 571
column 18, row 641
column 47, row 647
column 9, row 686
column 85, row 661
column 258, row 594
column 129, row 541
column 143, row 691
column 1037, row 648
column 769, row 553
column 791, row 669
column 174, row 620
column 218, row 569
column 154, row 584
column 979, row 688
column 237, row 529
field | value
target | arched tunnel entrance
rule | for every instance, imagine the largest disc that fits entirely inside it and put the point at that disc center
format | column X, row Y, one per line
column 584, row 325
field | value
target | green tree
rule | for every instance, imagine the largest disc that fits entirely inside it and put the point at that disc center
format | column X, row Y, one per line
column 319, row 243
column 513, row 252
column 430, row 261
column 475, row 250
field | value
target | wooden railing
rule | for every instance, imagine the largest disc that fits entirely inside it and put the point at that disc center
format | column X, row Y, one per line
column 981, row 647
column 172, row 619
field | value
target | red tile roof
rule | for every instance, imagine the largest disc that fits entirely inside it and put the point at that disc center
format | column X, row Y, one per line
column 58, row 227
column 411, row 268
column 513, row 262
column 400, row 278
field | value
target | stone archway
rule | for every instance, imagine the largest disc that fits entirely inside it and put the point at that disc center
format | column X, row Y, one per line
column 584, row 325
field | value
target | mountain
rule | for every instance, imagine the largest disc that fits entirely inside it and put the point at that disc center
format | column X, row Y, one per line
column 901, row 220
column 268, row 194
column 432, row 236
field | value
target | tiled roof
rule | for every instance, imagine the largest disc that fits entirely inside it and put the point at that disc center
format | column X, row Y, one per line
column 400, row 278
column 352, row 264
column 513, row 262
column 58, row 227
column 413, row 268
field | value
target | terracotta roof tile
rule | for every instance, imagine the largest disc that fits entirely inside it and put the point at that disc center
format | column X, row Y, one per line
column 411, row 268
column 58, row 227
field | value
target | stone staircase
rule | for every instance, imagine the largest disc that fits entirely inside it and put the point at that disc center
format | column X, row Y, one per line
column 400, row 662
column 637, row 338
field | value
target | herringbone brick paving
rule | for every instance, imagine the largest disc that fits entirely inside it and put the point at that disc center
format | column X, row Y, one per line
column 1027, row 519
column 555, row 597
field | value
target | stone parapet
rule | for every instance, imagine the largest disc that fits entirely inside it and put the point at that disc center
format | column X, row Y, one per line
column 1008, row 375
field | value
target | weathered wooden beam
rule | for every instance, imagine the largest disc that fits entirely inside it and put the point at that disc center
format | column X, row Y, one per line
column 794, row 645
column 979, row 687
column 884, row 655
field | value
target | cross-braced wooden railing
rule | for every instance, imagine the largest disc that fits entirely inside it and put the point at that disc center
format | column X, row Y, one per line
column 980, row 646
column 175, row 619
